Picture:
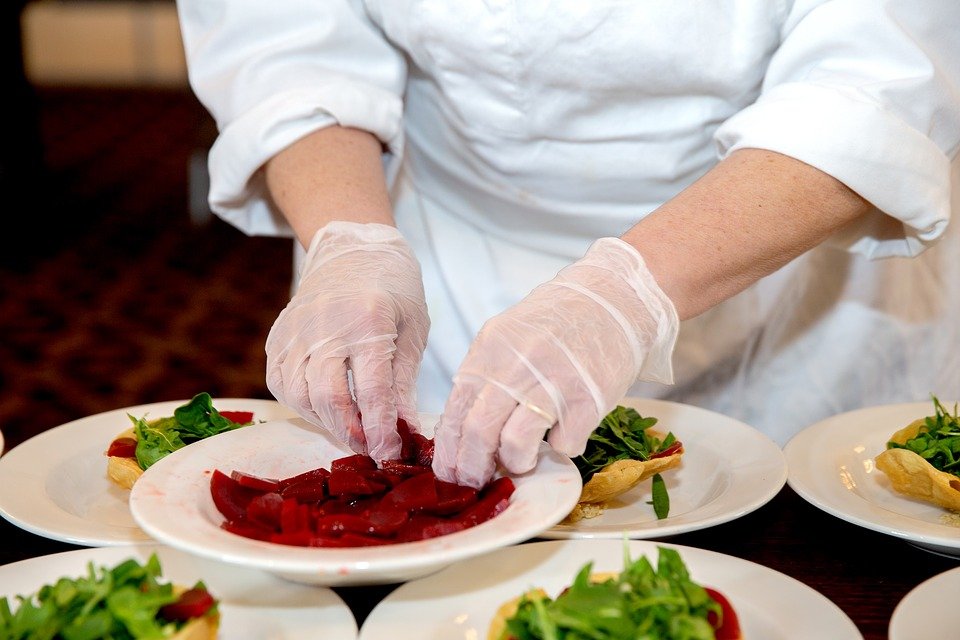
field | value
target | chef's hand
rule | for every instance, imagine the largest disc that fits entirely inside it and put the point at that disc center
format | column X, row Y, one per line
column 560, row 360
column 352, row 337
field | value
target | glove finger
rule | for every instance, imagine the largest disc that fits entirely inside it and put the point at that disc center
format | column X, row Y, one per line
column 406, row 369
column 580, row 418
column 524, row 430
column 331, row 400
column 372, row 370
column 480, row 435
column 446, row 437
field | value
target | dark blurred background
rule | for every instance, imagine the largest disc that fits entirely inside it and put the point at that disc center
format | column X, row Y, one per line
column 117, row 285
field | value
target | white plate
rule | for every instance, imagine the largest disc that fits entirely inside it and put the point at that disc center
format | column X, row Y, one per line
column 55, row 484
column 253, row 604
column 460, row 601
column 831, row 465
column 172, row 502
column 929, row 610
column 728, row 469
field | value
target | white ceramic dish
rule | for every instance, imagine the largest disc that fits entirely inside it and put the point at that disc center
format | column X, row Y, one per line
column 831, row 465
column 929, row 610
column 172, row 502
column 461, row 600
column 55, row 484
column 253, row 604
column 728, row 469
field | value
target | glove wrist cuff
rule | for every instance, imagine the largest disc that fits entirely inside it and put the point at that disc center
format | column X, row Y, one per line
column 340, row 237
column 657, row 312
column 366, row 232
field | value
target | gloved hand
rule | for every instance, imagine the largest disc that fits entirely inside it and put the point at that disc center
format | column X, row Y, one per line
column 560, row 359
column 351, row 338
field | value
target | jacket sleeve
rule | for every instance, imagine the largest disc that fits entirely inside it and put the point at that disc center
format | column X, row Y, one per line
column 867, row 91
column 272, row 72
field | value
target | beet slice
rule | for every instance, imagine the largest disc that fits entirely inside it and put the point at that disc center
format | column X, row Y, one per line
column 229, row 496
column 307, row 491
column 312, row 475
column 192, row 603
column 255, row 482
column 357, row 462
column 265, row 510
column 415, row 493
column 240, row 417
column 345, row 482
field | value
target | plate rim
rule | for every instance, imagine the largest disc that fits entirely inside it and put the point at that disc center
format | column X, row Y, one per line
column 578, row 548
column 333, row 565
column 19, row 471
column 760, row 493
column 865, row 514
column 113, row 554
column 915, row 596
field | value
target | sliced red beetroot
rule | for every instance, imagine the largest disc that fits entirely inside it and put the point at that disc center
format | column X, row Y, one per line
column 123, row 448
column 292, row 538
column 294, row 516
column 241, row 417
column 312, row 475
column 307, row 491
column 493, row 500
column 379, row 522
column 347, row 540
column 453, row 498
column 230, row 498
column 265, row 510
column 378, row 477
column 255, row 482
column 404, row 468
column 415, row 493
column 385, row 520
column 246, row 529
column 416, row 527
column 348, row 504
column 424, row 447
column 192, row 603
column 344, row 482
column 380, row 525
column 357, row 462
column 728, row 626
column 408, row 448
column 676, row 447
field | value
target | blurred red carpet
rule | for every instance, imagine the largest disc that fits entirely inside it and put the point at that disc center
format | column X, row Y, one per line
column 111, row 295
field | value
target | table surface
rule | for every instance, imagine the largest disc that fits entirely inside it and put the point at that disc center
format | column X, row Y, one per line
column 865, row 573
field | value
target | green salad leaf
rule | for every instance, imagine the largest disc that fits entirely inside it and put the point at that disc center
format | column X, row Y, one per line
column 643, row 602
column 195, row 420
column 621, row 435
column 118, row 603
column 661, row 501
column 938, row 441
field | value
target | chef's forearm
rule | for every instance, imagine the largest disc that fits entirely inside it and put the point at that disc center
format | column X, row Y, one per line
column 750, row 215
column 335, row 173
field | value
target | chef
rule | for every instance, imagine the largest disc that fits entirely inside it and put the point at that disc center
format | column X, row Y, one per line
column 515, row 213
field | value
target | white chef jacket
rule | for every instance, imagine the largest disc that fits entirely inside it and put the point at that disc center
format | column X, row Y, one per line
column 519, row 132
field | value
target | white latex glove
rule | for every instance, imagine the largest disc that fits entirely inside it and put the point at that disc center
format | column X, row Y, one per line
column 352, row 337
column 560, row 359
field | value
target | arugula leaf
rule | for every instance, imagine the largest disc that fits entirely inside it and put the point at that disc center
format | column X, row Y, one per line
column 621, row 435
column 643, row 601
column 661, row 501
column 195, row 420
column 122, row 602
column 938, row 441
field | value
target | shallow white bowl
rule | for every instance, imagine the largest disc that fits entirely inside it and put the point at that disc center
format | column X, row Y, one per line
column 172, row 503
